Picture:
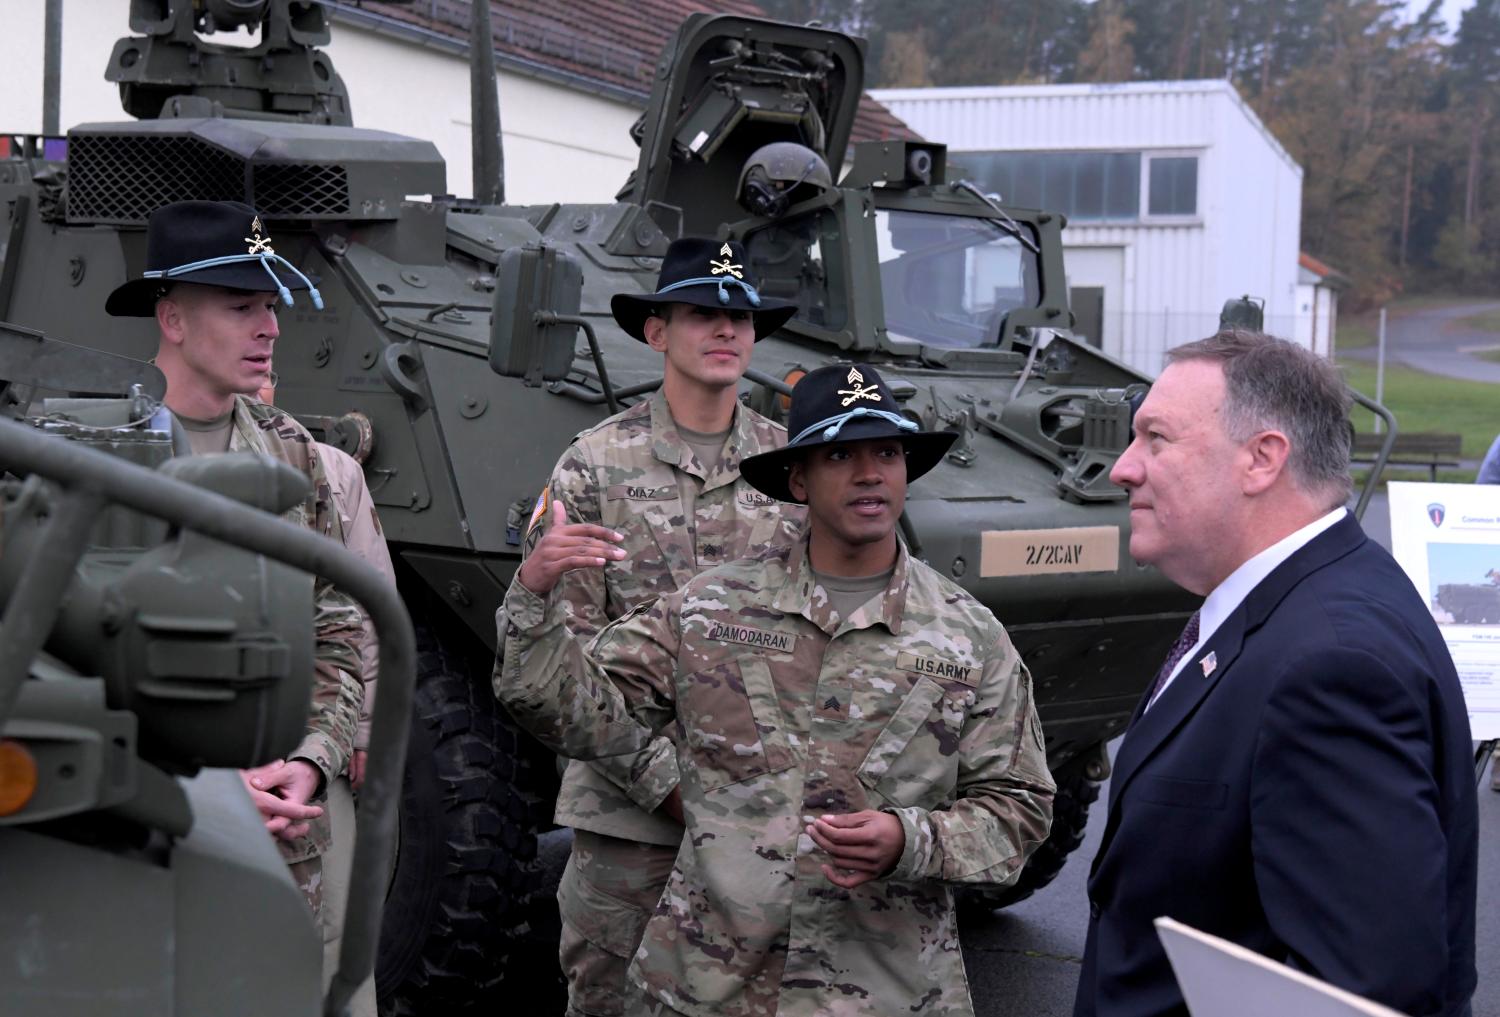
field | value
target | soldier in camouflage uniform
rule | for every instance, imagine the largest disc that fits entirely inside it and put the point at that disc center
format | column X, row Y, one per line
column 855, row 734
column 363, row 536
column 212, row 283
column 663, row 478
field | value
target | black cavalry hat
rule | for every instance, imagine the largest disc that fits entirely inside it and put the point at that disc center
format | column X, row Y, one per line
column 215, row 243
column 837, row 403
column 705, row 273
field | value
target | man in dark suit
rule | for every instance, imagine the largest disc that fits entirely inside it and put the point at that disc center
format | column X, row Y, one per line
column 1300, row 779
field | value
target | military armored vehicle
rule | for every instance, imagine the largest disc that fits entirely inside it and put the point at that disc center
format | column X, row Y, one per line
column 157, row 627
column 1470, row 603
column 463, row 342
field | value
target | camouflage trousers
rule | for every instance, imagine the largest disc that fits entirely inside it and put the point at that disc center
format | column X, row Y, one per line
column 608, row 891
column 308, row 875
column 338, row 862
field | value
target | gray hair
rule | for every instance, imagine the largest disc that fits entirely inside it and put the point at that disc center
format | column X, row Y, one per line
column 1272, row 384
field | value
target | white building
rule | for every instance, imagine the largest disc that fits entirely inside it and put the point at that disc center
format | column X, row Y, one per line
column 1318, row 289
column 1178, row 198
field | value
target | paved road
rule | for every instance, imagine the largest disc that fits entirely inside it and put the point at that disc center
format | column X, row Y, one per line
column 1431, row 340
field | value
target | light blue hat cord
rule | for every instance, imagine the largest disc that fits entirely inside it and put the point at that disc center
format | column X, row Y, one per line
column 833, row 425
column 265, row 258
column 723, row 282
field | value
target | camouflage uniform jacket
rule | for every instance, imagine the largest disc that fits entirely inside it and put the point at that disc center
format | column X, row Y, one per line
column 635, row 474
column 363, row 536
column 336, row 682
column 917, row 704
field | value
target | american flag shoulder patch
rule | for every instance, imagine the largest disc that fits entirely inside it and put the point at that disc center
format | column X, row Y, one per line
column 542, row 502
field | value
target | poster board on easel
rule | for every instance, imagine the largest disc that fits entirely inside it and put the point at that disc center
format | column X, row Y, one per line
column 1446, row 538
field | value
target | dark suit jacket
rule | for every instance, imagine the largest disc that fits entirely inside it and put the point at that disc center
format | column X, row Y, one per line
column 1311, row 799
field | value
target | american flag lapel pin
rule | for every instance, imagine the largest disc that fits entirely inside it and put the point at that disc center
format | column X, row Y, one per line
column 1209, row 663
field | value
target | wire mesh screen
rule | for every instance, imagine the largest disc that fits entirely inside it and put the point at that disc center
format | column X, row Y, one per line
column 294, row 191
column 122, row 179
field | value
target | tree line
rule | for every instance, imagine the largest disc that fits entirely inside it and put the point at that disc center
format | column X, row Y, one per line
column 1394, row 117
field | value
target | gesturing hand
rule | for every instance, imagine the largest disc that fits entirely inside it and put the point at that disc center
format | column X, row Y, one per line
column 567, row 546
column 861, row 846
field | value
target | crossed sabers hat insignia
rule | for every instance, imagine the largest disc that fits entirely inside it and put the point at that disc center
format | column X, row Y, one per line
column 258, row 244
column 720, row 267
column 860, row 389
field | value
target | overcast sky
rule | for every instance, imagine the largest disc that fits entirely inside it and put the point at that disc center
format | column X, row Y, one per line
column 1452, row 9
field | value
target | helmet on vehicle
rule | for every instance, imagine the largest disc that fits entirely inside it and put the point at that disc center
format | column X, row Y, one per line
column 778, row 174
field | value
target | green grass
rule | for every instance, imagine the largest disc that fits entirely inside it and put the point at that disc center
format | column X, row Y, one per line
column 1482, row 323
column 1354, row 332
column 1493, row 354
column 1421, row 401
column 1426, row 402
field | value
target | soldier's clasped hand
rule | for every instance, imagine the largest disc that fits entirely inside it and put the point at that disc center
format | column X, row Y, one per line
column 280, row 790
column 567, row 546
column 861, row 846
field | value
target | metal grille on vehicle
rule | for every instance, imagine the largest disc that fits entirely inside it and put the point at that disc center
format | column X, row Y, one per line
column 123, row 179
column 292, row 191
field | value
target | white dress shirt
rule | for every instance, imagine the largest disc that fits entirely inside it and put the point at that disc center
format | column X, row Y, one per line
column 1232, row 592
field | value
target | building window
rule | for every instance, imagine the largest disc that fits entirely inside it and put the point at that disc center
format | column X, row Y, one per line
column 1087, row 186
column 1173, row 185
column 1084, row 186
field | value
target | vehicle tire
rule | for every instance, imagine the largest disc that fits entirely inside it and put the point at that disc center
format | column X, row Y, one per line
column 1070, row 814
column 473, row 798
column 543, row 990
